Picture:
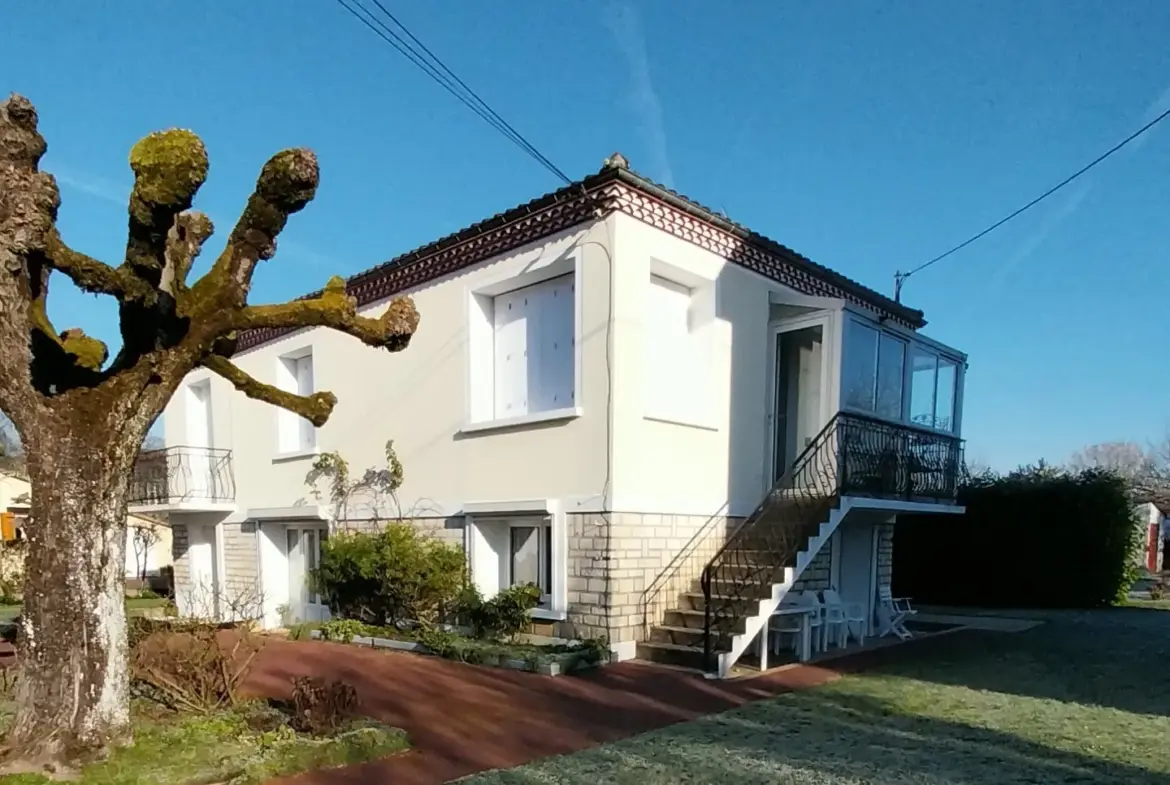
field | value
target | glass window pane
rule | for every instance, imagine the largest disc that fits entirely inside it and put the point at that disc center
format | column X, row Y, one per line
column 944, row 402
column 546, row 574
column 525, row 555
column 891, row 363
column 860, row 368
column 922, row 376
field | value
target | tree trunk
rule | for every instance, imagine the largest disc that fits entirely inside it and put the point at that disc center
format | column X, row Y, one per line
column 73, row 697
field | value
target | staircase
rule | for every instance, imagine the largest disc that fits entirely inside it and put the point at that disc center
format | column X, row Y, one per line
column 725, row 609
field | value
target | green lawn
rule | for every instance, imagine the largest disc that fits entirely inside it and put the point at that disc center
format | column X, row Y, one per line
column 225, row 748
column 10, row 612
column 1085, row 699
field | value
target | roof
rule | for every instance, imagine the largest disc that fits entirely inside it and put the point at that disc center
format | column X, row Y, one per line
column 615, row 188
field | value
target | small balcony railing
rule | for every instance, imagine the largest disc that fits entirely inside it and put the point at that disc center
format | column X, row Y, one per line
column 882, row 459
column 183, row 474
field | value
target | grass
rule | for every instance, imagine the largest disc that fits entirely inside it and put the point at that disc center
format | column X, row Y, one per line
column 1084, row 699
column 10, row 612
column 224, row 748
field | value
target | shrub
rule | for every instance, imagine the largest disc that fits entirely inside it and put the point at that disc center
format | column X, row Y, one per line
column 393, row 576
column 191, row 666
column 504, row 616
column 1018, row 531
column 321, row 708
column 342, row 630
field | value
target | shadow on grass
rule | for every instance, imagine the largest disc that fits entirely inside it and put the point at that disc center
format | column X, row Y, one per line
column 818, row 738
column 1098, row 658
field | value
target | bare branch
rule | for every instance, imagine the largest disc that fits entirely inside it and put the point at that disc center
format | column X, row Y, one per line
column 184, row 242
column 315, row 408
column 88, row 273
column 286, row 184
column 169, row 166
column 337, row 310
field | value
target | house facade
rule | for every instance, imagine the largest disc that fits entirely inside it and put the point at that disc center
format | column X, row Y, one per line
column 614, row 393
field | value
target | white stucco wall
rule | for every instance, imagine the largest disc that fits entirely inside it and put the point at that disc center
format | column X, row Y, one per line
column 420, row 399
column 702, row 467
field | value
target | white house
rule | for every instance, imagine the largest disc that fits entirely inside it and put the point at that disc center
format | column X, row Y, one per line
column 606, row 383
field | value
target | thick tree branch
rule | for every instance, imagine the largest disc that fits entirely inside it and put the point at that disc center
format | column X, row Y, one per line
column 286, row 184
column 315, row 408
column 169, row 166
column 335, row 309
column 184, row 242
column 89, row 274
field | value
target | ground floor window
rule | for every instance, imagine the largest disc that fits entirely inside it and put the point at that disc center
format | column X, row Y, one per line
column 512, row 551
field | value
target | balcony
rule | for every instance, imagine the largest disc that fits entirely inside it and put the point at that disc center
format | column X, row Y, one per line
column 191, row 479
column 889, row 460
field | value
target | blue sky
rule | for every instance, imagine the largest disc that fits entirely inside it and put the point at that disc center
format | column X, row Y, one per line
column 868, row 136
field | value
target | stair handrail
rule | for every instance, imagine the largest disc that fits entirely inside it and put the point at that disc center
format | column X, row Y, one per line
column 660, row 583
column 787, row 539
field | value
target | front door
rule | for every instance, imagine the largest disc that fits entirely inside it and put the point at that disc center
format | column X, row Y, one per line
column 856, row 566
column 798, row 390
column 304, row 556
column 199, row 598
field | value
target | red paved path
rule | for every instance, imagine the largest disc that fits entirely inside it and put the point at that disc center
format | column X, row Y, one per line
column 463, row 719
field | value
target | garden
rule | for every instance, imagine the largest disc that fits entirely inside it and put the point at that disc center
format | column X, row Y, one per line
column 193, row 723
column 401, row 589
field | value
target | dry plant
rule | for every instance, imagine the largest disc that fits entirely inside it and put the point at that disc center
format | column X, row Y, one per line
column 197, row 664
column 321, row 708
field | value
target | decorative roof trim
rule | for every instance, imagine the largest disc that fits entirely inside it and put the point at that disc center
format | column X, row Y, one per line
column 611, row 190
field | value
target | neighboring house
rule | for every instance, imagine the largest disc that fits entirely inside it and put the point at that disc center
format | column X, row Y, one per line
column 147, row 554
column 605, row 382
column 1154, row 526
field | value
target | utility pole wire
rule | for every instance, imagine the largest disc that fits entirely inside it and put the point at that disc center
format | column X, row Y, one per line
column 446, row 78
column 900, row 277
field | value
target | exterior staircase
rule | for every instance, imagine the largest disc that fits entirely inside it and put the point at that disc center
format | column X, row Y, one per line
column 725, row 608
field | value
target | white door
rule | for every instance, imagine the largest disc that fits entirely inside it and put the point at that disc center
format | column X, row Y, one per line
column 304, row 555
column 198, row 459
column 199, row 599
column 797, row 394
column 856, row 575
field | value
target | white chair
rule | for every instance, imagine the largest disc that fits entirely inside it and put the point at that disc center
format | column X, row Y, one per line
column 855, row 619
column 835, row 622
column 816, row 616
column 893, row 612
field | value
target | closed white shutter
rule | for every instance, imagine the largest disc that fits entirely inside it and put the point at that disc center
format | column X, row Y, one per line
column 308, row 433
column 555, row 331
column 670, row 362
column 512, row 328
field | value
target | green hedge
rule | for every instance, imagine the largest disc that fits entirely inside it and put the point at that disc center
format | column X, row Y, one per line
column 1038, row 537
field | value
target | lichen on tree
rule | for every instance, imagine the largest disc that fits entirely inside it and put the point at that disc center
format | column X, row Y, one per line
column 82, row 417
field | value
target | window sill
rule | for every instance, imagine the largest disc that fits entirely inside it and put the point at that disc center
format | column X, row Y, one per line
column 536, row 418
column 546, row 614
column 682, row 421
column 299, row 455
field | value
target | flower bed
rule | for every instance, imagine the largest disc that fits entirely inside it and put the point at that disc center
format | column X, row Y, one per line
column 552, row 659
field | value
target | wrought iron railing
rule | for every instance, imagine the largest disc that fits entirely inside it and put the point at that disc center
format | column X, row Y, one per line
column 178, row 474
column 852, row 455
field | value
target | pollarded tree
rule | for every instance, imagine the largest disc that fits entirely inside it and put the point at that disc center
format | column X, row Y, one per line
column 82, row 419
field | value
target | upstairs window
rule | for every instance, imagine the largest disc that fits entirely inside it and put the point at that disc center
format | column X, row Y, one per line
column 676, row 357
column 875, row 363
column 533, row 348
column 933, row 378
column 294, row 433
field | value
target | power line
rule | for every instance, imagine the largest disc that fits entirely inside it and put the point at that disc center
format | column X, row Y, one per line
column 445, row 77
column 900, row 277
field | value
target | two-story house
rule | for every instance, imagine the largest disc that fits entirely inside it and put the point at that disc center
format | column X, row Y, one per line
column 665, row 420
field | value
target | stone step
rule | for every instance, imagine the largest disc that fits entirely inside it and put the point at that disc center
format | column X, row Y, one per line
column 688, row 636
column 695, row 620
column 672, row 654
column 723, row 604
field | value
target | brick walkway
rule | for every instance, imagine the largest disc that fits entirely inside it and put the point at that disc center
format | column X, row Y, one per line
column 464, row 719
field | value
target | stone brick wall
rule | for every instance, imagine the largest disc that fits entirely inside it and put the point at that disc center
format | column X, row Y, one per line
column 241, row 595
column 615, row 557
column 885, row 556
column 449, row 529
column 179, row 558
column 818, row 574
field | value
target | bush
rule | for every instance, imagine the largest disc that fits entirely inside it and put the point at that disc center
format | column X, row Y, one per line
column 504, row 616
column 1037, row 537
column 322, row 708
column 191, row 666
column 398, row 575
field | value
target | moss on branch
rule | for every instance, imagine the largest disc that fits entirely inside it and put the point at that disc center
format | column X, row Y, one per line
column 90, row 353
column 91, row 275
column 315, row 408
column 335, row 309
column 184, row 242
column 169, row 166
